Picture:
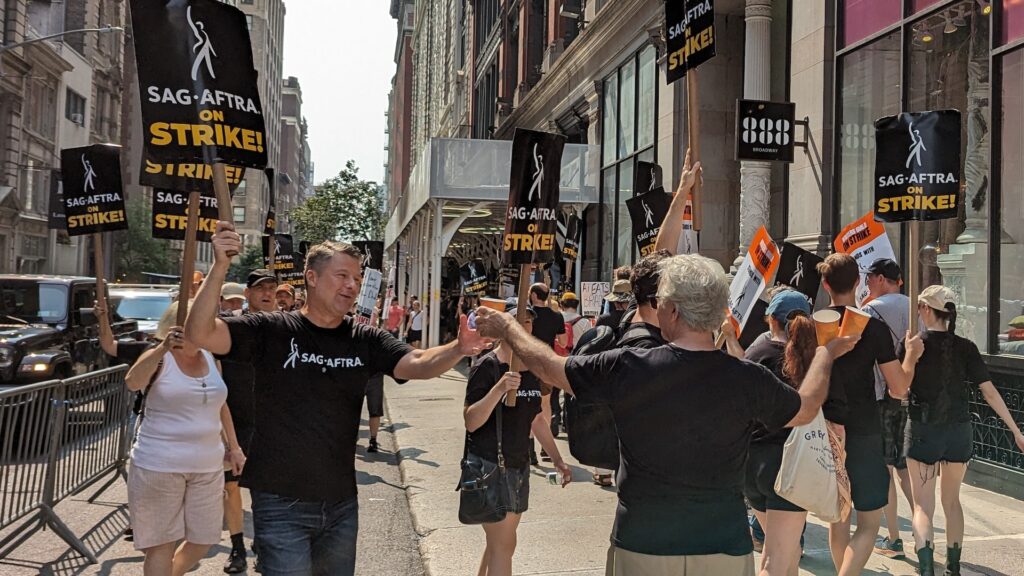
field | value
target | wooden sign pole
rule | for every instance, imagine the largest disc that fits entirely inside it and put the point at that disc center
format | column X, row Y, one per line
column 220, row 188
column 97, row 247
column 913, row 264
column 693, row 127
column 522, row 315
column 188, row 258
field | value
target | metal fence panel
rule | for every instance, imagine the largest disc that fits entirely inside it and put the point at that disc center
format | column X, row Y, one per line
column 993, row 441
column 26, row 416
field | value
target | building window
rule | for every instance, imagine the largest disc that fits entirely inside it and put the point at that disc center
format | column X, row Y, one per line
column 862, row 18
column 247, row 1
column 240, row 190
column 1011, row 261
column 628, row 134
column 34, row 186
column 239, row 212
column 74, row 107
column 1013, row 20
column 248, row 19
column 41, row 108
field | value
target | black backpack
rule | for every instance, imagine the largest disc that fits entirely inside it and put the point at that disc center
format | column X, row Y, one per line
column 593, row 440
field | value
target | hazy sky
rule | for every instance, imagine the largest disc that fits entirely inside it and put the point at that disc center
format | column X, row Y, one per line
column 342, row 52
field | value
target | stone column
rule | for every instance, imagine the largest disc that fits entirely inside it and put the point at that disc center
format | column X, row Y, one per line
column 755, row 177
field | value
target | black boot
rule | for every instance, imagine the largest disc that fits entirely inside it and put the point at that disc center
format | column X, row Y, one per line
column 926, row 560
column 953, row 560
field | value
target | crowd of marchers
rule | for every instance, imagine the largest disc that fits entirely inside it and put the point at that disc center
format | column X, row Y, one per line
column 263, row 392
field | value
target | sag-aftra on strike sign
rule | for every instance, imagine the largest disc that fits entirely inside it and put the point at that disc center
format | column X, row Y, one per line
column 690, row 34
column 200, row 103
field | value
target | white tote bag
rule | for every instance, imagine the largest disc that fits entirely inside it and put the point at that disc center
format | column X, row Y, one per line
column 812, row 471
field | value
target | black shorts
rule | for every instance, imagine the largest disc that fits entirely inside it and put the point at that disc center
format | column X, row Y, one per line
column 931, row 443
column 759, row 486
column 894, row 429
column 413, row 336
column 869, row 478
column 375, row 395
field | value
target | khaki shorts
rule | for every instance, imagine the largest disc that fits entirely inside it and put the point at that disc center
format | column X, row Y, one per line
column 625, row 563
column 168, row 507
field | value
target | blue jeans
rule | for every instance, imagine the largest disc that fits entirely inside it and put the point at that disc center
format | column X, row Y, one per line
column 297, row 537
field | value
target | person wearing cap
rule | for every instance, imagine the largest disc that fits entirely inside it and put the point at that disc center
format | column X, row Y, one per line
column 854, row 407
column 578, row 325
column 260, row 290
column 232, row 298
column 892, row 308
column 619, row 299
column 786, row 352
column 940, row 436
column 683, row 412
column 285, row 296
column 489, row 381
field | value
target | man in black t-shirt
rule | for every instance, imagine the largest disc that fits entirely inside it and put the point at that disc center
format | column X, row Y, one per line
column 310, row 372
column 680, row 507
column 548, row 327
column 853, row 405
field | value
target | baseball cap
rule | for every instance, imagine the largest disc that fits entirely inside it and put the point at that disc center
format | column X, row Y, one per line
column 621, row 291
column 285, row 288
column 232, row 291
column 569, row 296
column 259, row 275
column 937, row 296
column 887, row 268
column 785, row 303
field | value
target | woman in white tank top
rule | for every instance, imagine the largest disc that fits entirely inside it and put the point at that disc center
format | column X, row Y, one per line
column 176, row 478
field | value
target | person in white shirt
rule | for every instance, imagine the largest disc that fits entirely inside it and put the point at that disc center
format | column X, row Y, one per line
column 570, row 306
column 176, row 478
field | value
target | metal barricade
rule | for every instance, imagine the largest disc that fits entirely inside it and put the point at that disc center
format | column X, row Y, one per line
column 58, row 439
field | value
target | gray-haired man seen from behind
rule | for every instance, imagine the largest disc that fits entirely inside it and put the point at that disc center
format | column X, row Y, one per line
column 681, row 506
column 311, row 368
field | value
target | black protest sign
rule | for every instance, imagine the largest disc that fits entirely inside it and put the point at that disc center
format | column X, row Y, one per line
column 647, row 212
column 474, row 278
column 756, row 324
column 798, row 269
column 532, row 218
column 170, row 215
column 297, row 275
column 303, row 248
column 284, row 254
column 373, row 253
column 186, row 177
column 200, row 102
column 647, row 178
column 917, row 166
column 573, row 235
column 270, row 223
column 690, row 34
column 765, row 130
column 93, row 194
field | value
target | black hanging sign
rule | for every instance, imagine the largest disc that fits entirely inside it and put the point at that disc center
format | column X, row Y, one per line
column 690, row 34
column 474, row 278
column 93, row 194
column 532, row 218
column 373, row 253
column 270, row 224
column 284, row 254
column 647, row 178
column 297, row 275
column 186, row 177
column 573, row 235
column 647, row 212
column 56, row 220
column 798, row 269
column 765, row 130
column 200, row 102
column 917, row 166
column 170, row 215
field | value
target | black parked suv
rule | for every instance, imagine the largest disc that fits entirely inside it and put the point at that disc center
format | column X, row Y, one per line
column 48, row 329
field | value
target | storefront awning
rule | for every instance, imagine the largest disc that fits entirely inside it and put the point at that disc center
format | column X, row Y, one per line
column 478, row 171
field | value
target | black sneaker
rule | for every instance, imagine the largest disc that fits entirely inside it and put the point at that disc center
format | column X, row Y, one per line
column 544, row 456
column 533, row 457
column 236, row 563
column 373, row 446
column 129, row 535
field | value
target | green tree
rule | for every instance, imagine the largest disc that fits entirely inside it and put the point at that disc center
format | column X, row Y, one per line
column 137, row 251
column 249, row 260
column 342, row 208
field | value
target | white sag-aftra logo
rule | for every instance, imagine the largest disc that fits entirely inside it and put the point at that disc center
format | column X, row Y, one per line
column 798, row 274
column 89, row 175
column 648, row 214
column 203, row 48
column 296, row 357
column 916, row 146
column 538, row 173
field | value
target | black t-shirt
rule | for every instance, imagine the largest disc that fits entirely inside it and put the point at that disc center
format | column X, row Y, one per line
column 770, row 354
column 684, row 420
column 640, row 335
column 548, row 325
column 128, row 351
column 240, row 378
column 309, row 383
column 852, row 400
column 515, row 422
column 948, row 368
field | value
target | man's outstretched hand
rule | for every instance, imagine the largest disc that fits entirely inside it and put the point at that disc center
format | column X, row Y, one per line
column 471, row 342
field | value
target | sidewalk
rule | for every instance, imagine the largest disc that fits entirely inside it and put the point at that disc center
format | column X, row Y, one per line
column 565, row 531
